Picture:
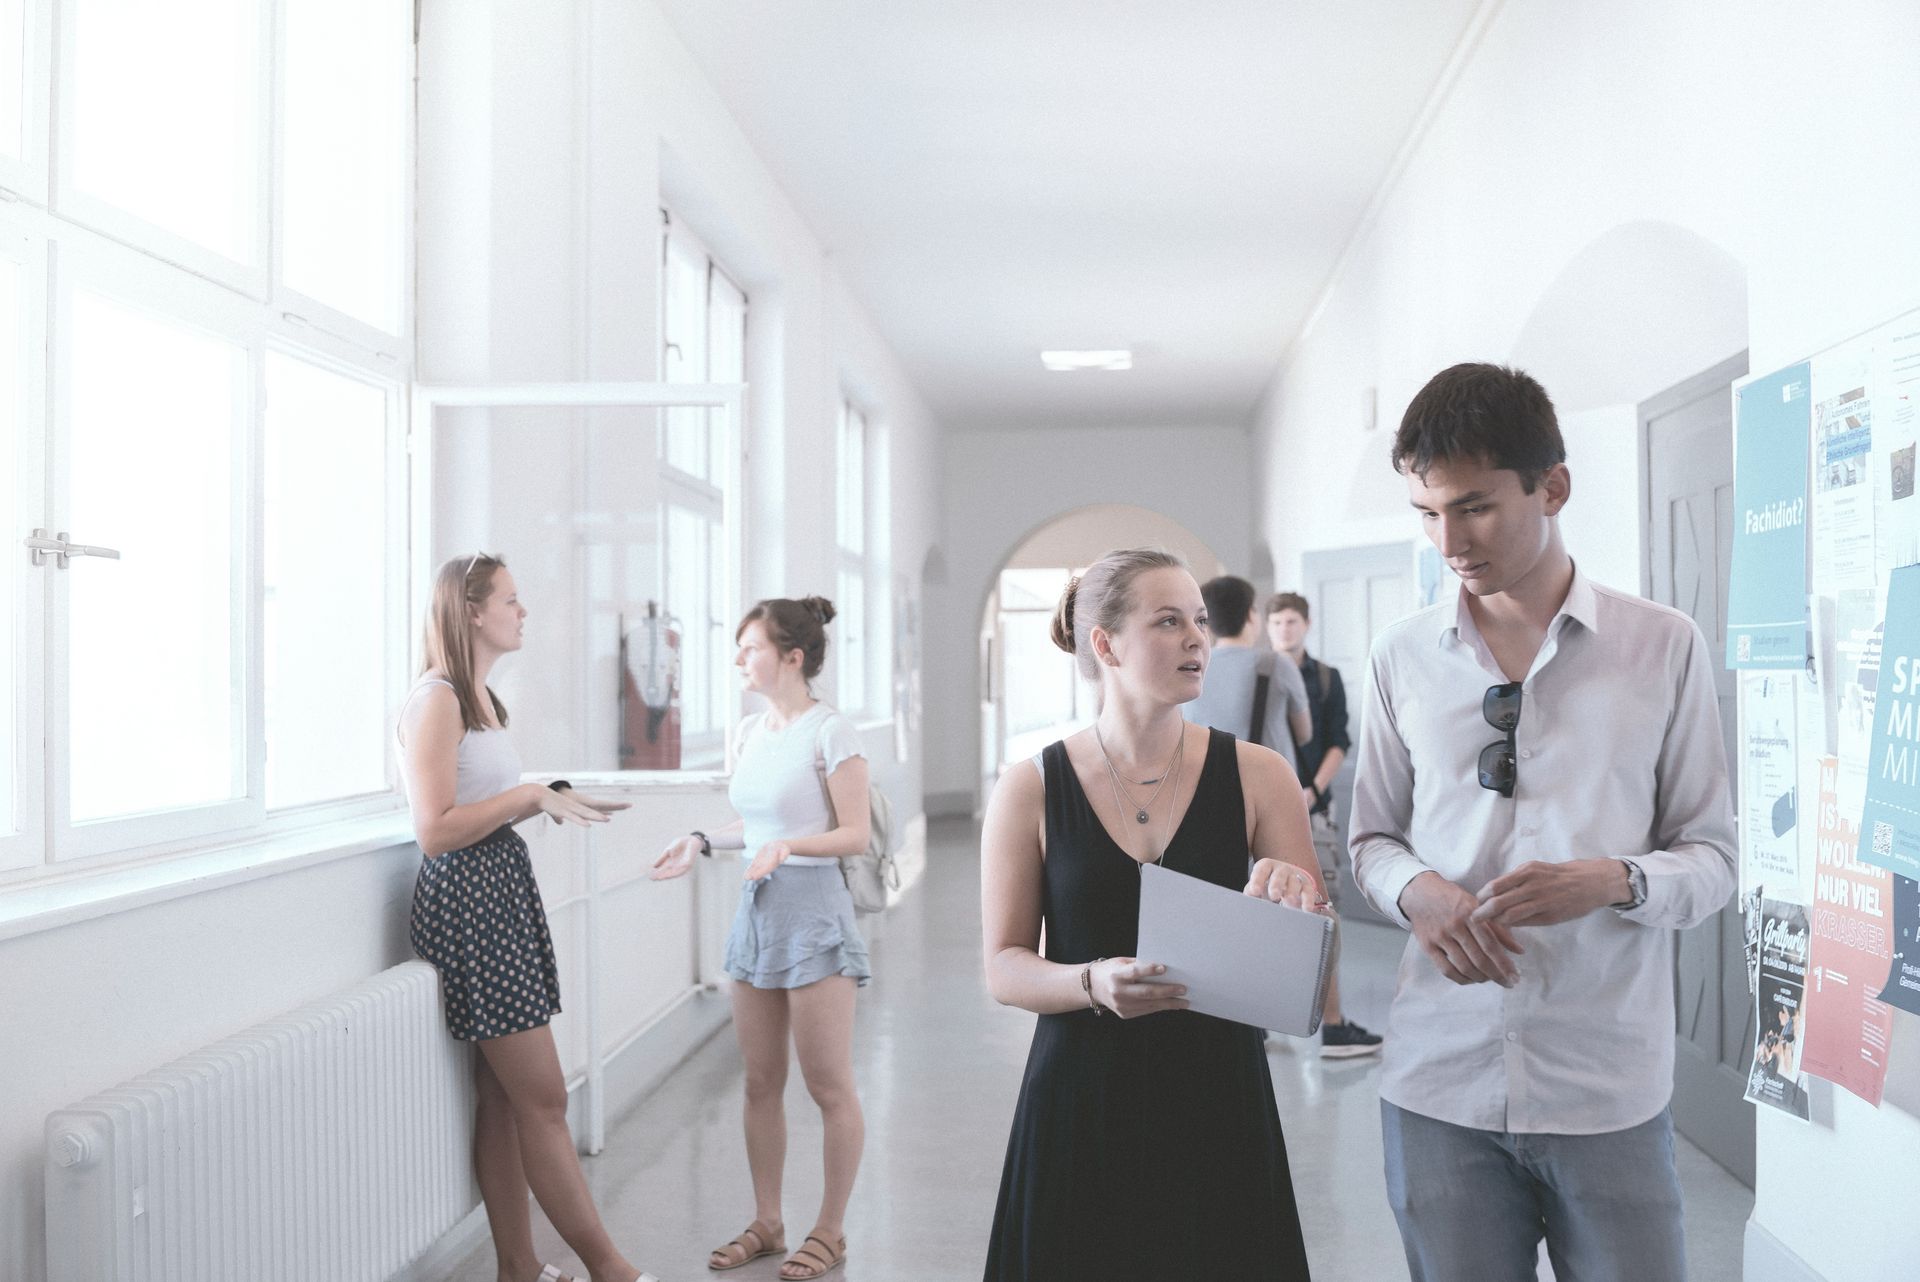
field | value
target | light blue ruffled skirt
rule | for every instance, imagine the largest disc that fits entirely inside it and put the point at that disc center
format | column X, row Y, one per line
column 796, row 927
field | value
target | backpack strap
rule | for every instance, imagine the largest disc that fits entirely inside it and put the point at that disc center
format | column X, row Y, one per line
column 1262, row 683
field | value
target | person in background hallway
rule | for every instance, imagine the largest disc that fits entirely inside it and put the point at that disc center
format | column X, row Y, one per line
column 477, row 917
column 1321, row 757
column 1249, row 693
column 1542, row 800
column 795, row 954
column 1146, row 1145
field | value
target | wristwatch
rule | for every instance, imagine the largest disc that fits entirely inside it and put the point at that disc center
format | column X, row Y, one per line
column 706, row 846
column 1636, row 887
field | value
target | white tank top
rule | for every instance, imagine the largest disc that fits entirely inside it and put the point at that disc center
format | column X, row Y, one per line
column 488, row 763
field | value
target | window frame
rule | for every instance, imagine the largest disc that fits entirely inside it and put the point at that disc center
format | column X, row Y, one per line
column 66, row 240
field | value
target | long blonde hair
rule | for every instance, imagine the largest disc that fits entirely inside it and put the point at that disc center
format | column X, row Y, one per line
column 461, row 584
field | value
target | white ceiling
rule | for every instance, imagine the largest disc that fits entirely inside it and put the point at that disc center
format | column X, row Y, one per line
column 994, row 177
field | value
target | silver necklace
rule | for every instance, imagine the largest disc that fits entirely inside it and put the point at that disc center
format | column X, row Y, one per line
column 1166, row 825
column 1120, row 788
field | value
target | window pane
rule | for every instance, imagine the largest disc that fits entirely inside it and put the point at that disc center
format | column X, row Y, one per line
column 687, row 581
column 853, row 470
column 726, row 362
column 850, row 613
column 10, row 437
column 166, row 114
column 13, row 67
column 326, row 587
column 684, row 360
column 347, row 77
column 154, row 689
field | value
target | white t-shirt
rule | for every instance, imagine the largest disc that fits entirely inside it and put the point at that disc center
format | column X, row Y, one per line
column 776, row 786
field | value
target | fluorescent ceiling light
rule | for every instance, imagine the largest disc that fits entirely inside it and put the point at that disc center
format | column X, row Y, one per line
column 1072, row 361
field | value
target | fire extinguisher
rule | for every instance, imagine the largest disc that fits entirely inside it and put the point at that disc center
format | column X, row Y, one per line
column 650, row 692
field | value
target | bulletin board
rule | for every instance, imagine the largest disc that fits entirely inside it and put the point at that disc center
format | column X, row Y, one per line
column 1823, row 632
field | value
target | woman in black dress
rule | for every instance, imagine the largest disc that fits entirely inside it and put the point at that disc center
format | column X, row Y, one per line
column 1146, row 1143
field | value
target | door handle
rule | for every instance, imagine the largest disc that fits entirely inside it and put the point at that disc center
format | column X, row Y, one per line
column 42, row 546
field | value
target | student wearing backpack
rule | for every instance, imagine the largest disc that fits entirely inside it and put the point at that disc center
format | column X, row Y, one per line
column 1250, row 693
column 800, row 784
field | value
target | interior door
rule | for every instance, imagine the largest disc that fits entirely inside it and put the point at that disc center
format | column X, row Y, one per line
column 1688, row 438
column 1354, row 593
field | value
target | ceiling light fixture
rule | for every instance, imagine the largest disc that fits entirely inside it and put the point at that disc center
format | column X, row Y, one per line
column 1072, row 362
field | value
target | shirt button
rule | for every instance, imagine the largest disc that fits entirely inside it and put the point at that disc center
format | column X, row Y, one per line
column 1513, row 1037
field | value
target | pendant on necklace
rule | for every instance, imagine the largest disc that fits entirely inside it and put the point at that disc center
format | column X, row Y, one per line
column 1141, row 817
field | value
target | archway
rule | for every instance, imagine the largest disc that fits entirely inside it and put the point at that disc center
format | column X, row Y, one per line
column 1030, row 694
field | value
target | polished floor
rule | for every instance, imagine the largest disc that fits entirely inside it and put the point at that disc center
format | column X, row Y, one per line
column 940, row 1065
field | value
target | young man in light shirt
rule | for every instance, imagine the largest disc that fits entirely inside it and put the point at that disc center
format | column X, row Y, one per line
column 1541, row 798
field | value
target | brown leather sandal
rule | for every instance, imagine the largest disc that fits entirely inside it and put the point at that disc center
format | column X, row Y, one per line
column 764, row 1242
column 817, row 1264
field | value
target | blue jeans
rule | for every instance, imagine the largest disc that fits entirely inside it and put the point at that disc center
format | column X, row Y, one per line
column 1473, row 1205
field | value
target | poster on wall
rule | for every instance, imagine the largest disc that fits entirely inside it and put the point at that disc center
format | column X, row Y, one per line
column 1843, row 480
column 1847, row 1026
column 1767, row 591
column 1768, row 779
column 1777, row 1079
column 1859, row 623
column 1902, row 988
column 1894, row 385
column 1890, row 819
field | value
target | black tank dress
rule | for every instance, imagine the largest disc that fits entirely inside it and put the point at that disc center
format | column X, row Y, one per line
column 1146, row 1148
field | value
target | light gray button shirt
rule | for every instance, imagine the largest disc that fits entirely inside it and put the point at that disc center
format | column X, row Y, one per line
column 1619, row 755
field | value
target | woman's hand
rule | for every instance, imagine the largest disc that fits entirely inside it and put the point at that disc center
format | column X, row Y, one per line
column 1289, row 884
column 677, row 861
column 1120, row 984
column 769, row 857
column 564, row 805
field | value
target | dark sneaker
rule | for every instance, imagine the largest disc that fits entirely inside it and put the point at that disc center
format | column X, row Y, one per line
column 1347, row 1039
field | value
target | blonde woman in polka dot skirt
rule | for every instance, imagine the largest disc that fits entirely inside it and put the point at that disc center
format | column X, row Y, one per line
column 795, row 954
column 477, row 917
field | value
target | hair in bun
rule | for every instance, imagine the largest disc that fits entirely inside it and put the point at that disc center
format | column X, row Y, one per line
column 794, row 625
column 1103, row 598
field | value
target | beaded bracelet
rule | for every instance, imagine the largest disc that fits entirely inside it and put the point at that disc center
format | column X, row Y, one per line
column 1086, row 984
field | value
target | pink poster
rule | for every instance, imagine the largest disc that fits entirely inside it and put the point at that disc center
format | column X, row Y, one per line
column 1847, row 1027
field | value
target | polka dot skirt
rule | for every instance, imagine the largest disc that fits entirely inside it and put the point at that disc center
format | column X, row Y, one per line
column 477, row 917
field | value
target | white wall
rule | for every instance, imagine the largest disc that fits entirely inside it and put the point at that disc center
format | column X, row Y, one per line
column 998, row 487
column 1618, row 197
column 550, row 130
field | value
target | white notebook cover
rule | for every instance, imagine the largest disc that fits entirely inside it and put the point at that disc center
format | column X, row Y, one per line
column 1241, row 958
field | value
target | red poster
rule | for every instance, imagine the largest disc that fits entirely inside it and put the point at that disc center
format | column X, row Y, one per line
column 1847, row 1027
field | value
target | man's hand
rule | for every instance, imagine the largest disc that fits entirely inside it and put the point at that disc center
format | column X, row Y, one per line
column 1467, row 951
column 1540, row 894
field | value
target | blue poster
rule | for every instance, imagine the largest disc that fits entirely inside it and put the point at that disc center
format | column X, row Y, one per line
column 1890, row 821
column 1767, row 591
column 1903, row 976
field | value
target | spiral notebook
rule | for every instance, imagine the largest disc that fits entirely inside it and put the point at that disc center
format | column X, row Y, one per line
column 1241, row 958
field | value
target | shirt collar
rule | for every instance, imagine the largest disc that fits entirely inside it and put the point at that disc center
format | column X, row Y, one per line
column 1581, row 605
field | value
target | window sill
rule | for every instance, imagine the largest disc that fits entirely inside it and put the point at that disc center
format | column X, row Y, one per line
column 49, row 905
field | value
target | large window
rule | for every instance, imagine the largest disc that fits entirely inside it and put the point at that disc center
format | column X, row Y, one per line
column 863, row 672
column 211, row 473
column 703, row 328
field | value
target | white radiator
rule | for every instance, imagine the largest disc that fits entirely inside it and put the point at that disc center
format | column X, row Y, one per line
column 331, row 1143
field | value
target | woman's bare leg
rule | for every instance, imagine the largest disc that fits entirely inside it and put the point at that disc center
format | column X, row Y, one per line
column 760, row 1022
column 503, row 1183
column 823, row 1038
column 528, row 1070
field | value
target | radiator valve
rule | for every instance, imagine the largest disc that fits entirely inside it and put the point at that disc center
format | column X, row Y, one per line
column 70, row 1148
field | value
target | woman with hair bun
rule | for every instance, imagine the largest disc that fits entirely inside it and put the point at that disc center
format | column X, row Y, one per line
column 1146, row 1144
column 795, row 955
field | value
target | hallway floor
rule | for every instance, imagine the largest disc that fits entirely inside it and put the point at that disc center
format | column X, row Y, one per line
column 940, row 1065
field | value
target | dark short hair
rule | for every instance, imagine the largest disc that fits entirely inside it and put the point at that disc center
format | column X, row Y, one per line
column 1484, row 413
column 1288, row 601
column 1229, row 601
